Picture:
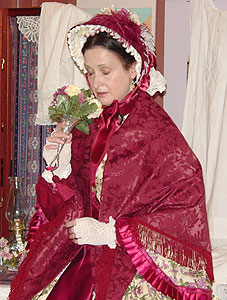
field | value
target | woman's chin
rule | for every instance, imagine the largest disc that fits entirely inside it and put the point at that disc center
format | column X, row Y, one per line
column 106, row 102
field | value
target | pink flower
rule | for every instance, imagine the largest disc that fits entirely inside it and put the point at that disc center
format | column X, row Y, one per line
column 60, row 91
column 3, row 243
column 55, row 97
column 6, row 249
column 9, row 255
column 81, row 98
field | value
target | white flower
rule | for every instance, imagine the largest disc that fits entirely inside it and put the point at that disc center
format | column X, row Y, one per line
column 15, row 253
column 3, row 242
column 6, row 249
column 135, row 18
column 148, row 39
column 98, row 111
column 108, row 10
column 72, row 90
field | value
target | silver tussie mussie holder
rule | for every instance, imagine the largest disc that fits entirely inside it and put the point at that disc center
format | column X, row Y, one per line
column 70, row 122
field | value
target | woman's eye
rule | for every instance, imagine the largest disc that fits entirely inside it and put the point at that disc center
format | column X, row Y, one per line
column 105, row 71
column 90, row 74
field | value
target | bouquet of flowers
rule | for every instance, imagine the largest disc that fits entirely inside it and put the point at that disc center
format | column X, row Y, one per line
column 74, row 104
column 7, row 257
column 75, row 107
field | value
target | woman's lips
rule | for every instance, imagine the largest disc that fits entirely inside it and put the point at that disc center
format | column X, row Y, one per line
column 101, row 94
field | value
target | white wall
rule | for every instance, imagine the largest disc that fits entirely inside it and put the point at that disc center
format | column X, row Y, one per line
column 118, row 3
column 177, row 50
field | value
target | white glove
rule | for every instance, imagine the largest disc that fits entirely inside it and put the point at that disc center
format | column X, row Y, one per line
column 64, row 169
column 92, row 232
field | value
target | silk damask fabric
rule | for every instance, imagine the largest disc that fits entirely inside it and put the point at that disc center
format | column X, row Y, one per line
column 160, row 207
column 139, row 288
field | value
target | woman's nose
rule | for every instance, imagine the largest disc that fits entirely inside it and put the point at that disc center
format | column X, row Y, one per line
column 96, row 81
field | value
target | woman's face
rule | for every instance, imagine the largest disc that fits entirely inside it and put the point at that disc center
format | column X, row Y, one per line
column 107, row 76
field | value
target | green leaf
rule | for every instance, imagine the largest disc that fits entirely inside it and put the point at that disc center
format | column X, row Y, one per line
column 74, row 102
column 51, row 110
column 63, row 106
column 87, row 93
column 83, row 126
column 89, row 121
column 86, row 109
column 60, row 98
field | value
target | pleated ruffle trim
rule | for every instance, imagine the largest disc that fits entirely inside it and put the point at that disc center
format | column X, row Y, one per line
column 137, row 237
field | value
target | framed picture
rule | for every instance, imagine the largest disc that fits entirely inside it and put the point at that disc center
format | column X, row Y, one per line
column 145, row 9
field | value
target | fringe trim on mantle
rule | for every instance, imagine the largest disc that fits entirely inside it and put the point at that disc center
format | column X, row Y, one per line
column 182, row 253
column 152, row 273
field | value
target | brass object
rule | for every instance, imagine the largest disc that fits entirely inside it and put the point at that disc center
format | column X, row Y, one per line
column 16, row 214
column 3, row 62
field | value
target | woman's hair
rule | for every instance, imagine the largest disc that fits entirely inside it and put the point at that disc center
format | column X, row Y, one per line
column 104, row 40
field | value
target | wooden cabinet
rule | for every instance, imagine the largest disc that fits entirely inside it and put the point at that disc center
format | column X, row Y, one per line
column 5, row 108
column 1, row 81
column 7, row 119
column 8, row 4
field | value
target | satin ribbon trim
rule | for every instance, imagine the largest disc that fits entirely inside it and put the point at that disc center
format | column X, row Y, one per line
column 109, row 124
column 154, row 275
column 145, row 81
column 37, row 220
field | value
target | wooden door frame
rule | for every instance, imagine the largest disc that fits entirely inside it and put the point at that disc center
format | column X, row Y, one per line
column 6, row 142
column 2, row 59
column 6, row 107
column 159, row 40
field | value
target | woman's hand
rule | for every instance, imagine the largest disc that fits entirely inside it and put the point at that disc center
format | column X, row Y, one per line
column 50, row 151
column 89, row 231
column 70, row 225
column 57, row 137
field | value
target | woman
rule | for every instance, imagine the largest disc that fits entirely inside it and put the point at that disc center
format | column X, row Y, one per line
column 126, row 208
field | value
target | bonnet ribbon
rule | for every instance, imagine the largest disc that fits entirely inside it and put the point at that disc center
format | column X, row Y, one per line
column 145, row 81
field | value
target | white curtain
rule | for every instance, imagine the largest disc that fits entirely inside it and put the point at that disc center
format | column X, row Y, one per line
column 55, row 65
column 205, row 118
